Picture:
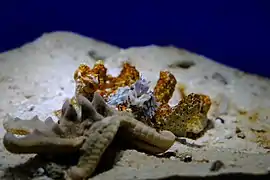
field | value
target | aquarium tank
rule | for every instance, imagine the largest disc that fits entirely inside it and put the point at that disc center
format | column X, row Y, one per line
column 235, row 33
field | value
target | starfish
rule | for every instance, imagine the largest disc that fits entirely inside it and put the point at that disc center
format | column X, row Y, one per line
column 89, row 131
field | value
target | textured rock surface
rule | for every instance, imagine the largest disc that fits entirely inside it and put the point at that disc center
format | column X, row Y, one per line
column 36, row 78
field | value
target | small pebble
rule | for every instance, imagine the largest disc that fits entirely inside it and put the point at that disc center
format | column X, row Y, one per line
column 237, row 130
column 241, row 135
column 39, row 172
column 228, row 135
column 188, row 158
column 220, row 120
column 217, row 165
column 168, row 154
column 31, row 108
column 185, row 157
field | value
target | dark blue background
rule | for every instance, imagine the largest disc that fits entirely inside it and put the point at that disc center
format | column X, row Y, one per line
column 234, row 32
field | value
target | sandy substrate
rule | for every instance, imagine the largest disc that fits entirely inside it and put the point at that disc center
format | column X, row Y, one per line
column 36, row 78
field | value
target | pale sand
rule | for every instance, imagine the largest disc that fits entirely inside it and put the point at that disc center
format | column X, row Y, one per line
column 36, row 78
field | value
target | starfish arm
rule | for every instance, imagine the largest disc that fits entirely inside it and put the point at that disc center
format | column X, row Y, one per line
column 26, row 126
column 101, row 106
column 145, row 147
column 88, row 110
column 101, row 135
column 162, row 140
column 36, row 143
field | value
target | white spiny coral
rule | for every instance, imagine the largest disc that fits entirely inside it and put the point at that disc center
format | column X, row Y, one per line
column 137, row 96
